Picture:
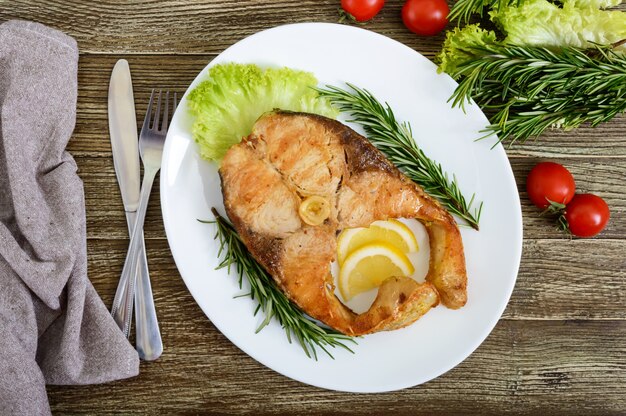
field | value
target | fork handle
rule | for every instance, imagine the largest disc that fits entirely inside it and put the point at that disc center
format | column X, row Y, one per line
column 147, row 334
column 122, row 313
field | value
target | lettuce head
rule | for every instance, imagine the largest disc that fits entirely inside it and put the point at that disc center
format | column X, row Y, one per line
column 228, row 103
column 541, row 23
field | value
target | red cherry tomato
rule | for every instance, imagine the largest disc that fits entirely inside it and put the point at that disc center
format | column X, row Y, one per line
column 425, row 17
column 549, row 181
column 362, row 10
column 587, row 215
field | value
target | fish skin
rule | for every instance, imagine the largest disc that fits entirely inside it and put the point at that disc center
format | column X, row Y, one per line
column 290, row 156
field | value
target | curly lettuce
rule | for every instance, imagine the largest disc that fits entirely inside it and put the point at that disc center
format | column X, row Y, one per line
column 593, row 4
column 228, row 103
column 460, row 47
column 579, row 23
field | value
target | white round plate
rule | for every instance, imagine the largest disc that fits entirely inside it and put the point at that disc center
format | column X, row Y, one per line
column 410, row 83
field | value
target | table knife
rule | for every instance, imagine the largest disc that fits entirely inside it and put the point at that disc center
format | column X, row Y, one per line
column 124, row 144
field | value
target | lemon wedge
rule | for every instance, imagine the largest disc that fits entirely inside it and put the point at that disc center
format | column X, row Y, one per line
column 392, row 232
column 367, row 267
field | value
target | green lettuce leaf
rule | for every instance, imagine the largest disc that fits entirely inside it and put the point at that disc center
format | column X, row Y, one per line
column 226, row 106
column 460, row 47
column 541, row 23
column 593, row 4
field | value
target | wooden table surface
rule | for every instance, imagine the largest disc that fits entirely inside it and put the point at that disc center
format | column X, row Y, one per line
column 560, row 347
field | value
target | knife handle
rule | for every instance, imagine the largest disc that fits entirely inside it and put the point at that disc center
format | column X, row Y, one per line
column 125, row 290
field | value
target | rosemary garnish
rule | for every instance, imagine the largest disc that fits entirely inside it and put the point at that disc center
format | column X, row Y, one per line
column 272, row 301
column 396, row 141
column 530, row 89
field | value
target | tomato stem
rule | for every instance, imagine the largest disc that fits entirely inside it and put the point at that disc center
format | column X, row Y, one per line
column 347, row 19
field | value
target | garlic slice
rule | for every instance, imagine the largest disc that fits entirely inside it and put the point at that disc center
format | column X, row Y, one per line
column 314, row 210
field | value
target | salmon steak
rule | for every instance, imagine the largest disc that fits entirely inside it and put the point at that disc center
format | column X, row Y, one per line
column 290, row 157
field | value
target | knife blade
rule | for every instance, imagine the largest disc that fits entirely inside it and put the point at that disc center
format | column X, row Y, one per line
column 123, row 131
column 125, row 149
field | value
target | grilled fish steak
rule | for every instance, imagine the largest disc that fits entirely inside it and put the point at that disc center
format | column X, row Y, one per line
column 292, row 156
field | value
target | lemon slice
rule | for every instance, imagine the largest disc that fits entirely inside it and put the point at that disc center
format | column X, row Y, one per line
column 367, row 267
column 391, row 231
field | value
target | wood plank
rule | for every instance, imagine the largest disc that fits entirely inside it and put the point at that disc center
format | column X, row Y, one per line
column 604, row 177
column 604, row 141
column 570, row 367
column 571, row 279
column 578, row 279
column 181, row 27
column 176, row 73
column 525, row 367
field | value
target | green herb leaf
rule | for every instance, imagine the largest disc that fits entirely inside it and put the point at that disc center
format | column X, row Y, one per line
column 396, row 141
column 272, row 301
column 528, row 89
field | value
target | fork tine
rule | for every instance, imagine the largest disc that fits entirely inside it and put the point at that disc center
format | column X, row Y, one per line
column 146, row 120
column 166, row 111
column 157, row 113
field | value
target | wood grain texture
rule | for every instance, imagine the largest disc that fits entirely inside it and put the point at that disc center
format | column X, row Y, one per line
column 585, row 283
column 560, row 348
column 176, row 73
column 598, row 168
column 190, row 27
column 105, row 216
column 524, row 367
column 550, row 364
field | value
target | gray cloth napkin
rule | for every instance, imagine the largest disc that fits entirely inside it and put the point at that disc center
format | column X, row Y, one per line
column 53, row 326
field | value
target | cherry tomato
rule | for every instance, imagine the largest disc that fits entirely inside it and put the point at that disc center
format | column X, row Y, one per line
column 549, row 181
column 587, row 215
column 362, row 10
column 425, row 17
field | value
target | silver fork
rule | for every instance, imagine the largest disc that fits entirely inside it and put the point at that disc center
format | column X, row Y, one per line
column 151, row 141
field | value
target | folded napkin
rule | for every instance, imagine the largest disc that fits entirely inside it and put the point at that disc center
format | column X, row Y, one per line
column 53, row 326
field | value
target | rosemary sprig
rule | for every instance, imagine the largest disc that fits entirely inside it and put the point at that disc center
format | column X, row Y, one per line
column 396, row 141
column 530, row 89
column 272, row 301
column 462, row 10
